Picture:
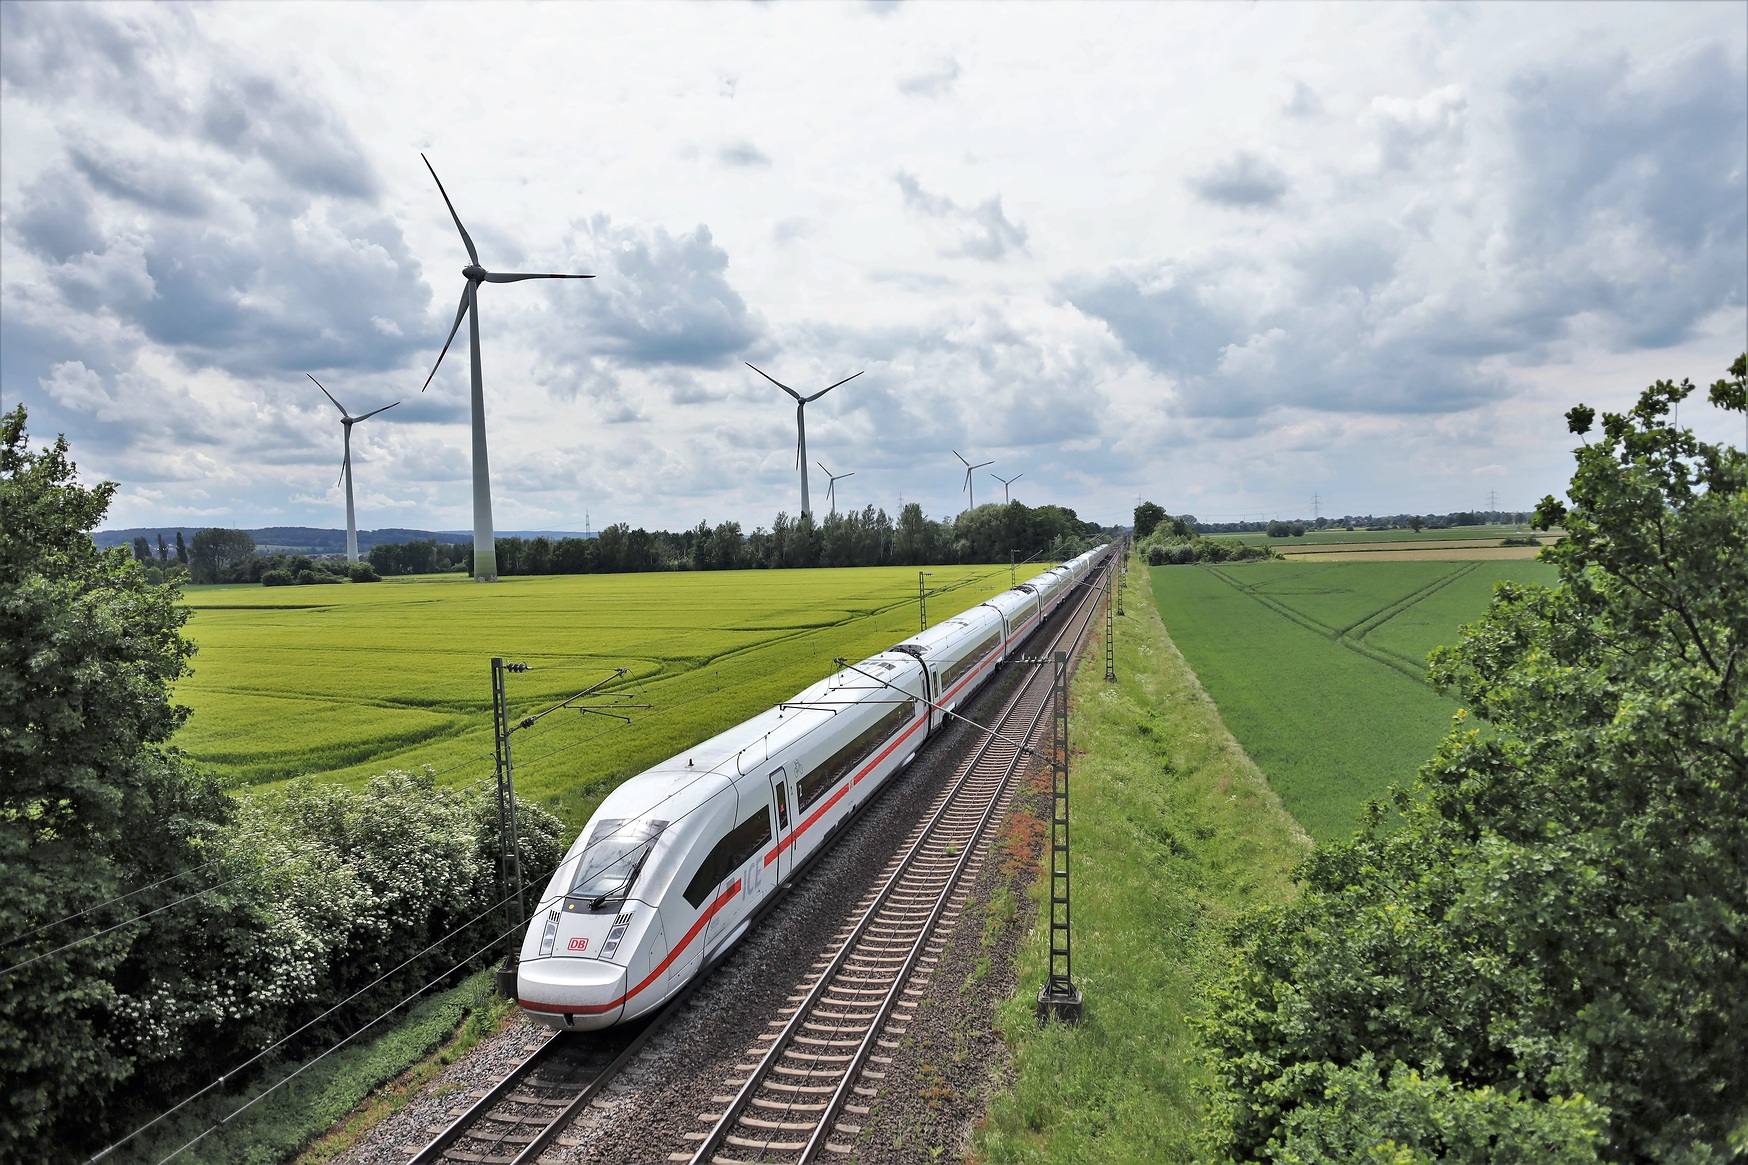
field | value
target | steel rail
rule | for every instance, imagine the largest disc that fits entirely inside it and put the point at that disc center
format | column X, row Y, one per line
column 806, row 1012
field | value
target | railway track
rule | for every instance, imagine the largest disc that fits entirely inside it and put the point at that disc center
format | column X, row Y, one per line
column 807, row 1081
column 518, row 1119
column 859, row 995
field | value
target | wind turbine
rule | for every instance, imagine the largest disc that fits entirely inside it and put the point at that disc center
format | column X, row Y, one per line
column 801, row 403
column 485, row 553
column 347, row 420
column 831, row 489
column 968, row 468
column 1005, row 483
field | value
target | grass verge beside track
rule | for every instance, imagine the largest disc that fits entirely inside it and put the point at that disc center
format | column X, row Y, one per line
column 339, row 1088
column 1174, row 831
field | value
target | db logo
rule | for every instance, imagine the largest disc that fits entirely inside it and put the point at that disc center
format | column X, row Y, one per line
column 579, row 944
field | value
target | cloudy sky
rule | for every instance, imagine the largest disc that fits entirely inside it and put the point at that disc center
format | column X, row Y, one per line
column 1226, row 257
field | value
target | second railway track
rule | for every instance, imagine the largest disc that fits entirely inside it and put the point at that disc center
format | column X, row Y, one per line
column 803, row 1087
column 806, row 1084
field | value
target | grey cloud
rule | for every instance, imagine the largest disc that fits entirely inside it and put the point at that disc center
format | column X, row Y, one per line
column 1243, row 180
column 304, row 142
column 153, row 183
column 981, row 232
column 935, row 80
column 742, row 154
column 56, row 218
column 664, row 299
column 159, row 220
column 790, row 229
column 1304, row 102
column 1643, row 168
column 1410, row 131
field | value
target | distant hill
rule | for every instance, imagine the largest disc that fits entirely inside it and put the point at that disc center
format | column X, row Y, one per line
column 312, row 540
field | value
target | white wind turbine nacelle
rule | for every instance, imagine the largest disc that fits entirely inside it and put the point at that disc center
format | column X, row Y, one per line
column 967, row 487
column 485, row 553
column 801, row 403
column 347, row 420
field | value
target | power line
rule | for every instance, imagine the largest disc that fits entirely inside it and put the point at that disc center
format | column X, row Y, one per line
column 344, row 1040
column 181, row 1104
column 148, row 914
column 110, row 902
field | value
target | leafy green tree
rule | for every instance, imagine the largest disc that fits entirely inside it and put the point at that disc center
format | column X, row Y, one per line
column 1550, row 947
column 1148, row 516
column 91, row 803
column 142, row 549
column 218, row 553
column 181, row 549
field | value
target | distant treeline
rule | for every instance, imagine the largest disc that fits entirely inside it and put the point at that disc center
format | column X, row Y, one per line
column 1370, row 522
column 991, row 533
column 869, row 537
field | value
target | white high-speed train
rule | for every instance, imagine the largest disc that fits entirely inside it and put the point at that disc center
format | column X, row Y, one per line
column 675, row 862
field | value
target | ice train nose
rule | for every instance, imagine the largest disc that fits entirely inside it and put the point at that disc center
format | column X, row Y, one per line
column 571, row 994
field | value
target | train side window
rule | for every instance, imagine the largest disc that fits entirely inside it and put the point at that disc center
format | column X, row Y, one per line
column 782, row 807
column 813, row 786
column 729, row 854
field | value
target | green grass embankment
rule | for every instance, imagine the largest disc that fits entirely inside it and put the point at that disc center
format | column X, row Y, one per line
column 1174, row 832
column 432, row 1034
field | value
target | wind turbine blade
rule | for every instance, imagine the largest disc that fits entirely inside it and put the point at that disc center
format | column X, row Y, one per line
column 459, row 313
column 466, row 241
column 493, row 277
column 1015, row 478
column 829, row 387
column 961, row 458
column 346, row 459
column 823, row 469
column 373, row 412
column 327, row 394
column 841, row 476
column 776, row 382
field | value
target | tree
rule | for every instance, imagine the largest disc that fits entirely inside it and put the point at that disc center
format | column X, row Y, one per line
column 181, row 549
column 1550, row 946
column 1148, row 516
column 163, row 552
column 217, row 553
column 91, row 803
column 142, row 549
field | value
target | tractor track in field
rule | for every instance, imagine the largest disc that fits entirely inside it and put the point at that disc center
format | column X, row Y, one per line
column 1366, row 624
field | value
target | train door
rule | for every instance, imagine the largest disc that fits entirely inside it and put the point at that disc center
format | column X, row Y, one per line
column 782, row 799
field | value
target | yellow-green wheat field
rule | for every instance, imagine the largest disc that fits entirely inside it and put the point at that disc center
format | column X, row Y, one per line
column 340, row 682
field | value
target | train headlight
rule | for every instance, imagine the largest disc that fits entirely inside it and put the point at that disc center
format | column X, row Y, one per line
column 550, row 934
column 616, row 934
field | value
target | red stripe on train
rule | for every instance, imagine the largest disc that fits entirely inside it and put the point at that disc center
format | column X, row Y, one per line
column 722, row 900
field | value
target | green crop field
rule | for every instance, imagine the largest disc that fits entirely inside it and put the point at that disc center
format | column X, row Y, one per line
column 1336, row 536
column 346, row 681
column 1317, row 668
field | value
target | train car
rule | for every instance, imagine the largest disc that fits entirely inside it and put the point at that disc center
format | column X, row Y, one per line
column 676, row 859
column 671, row 868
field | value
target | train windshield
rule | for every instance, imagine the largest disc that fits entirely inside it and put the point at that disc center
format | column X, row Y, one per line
column 614, row 856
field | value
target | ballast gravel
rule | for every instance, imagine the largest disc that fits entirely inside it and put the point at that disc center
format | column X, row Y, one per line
column 938, row 1083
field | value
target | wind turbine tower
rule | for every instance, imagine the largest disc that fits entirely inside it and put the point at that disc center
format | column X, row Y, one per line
column 831, row 489
column 485, row 552
column 801, row 403
column 347, row 420
column 968, row 468
column 1006, row 482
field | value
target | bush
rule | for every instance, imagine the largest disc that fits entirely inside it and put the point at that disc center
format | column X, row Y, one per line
column 363, row 572
column 1279, row 529
column 277, row 578
column 1545, row 947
